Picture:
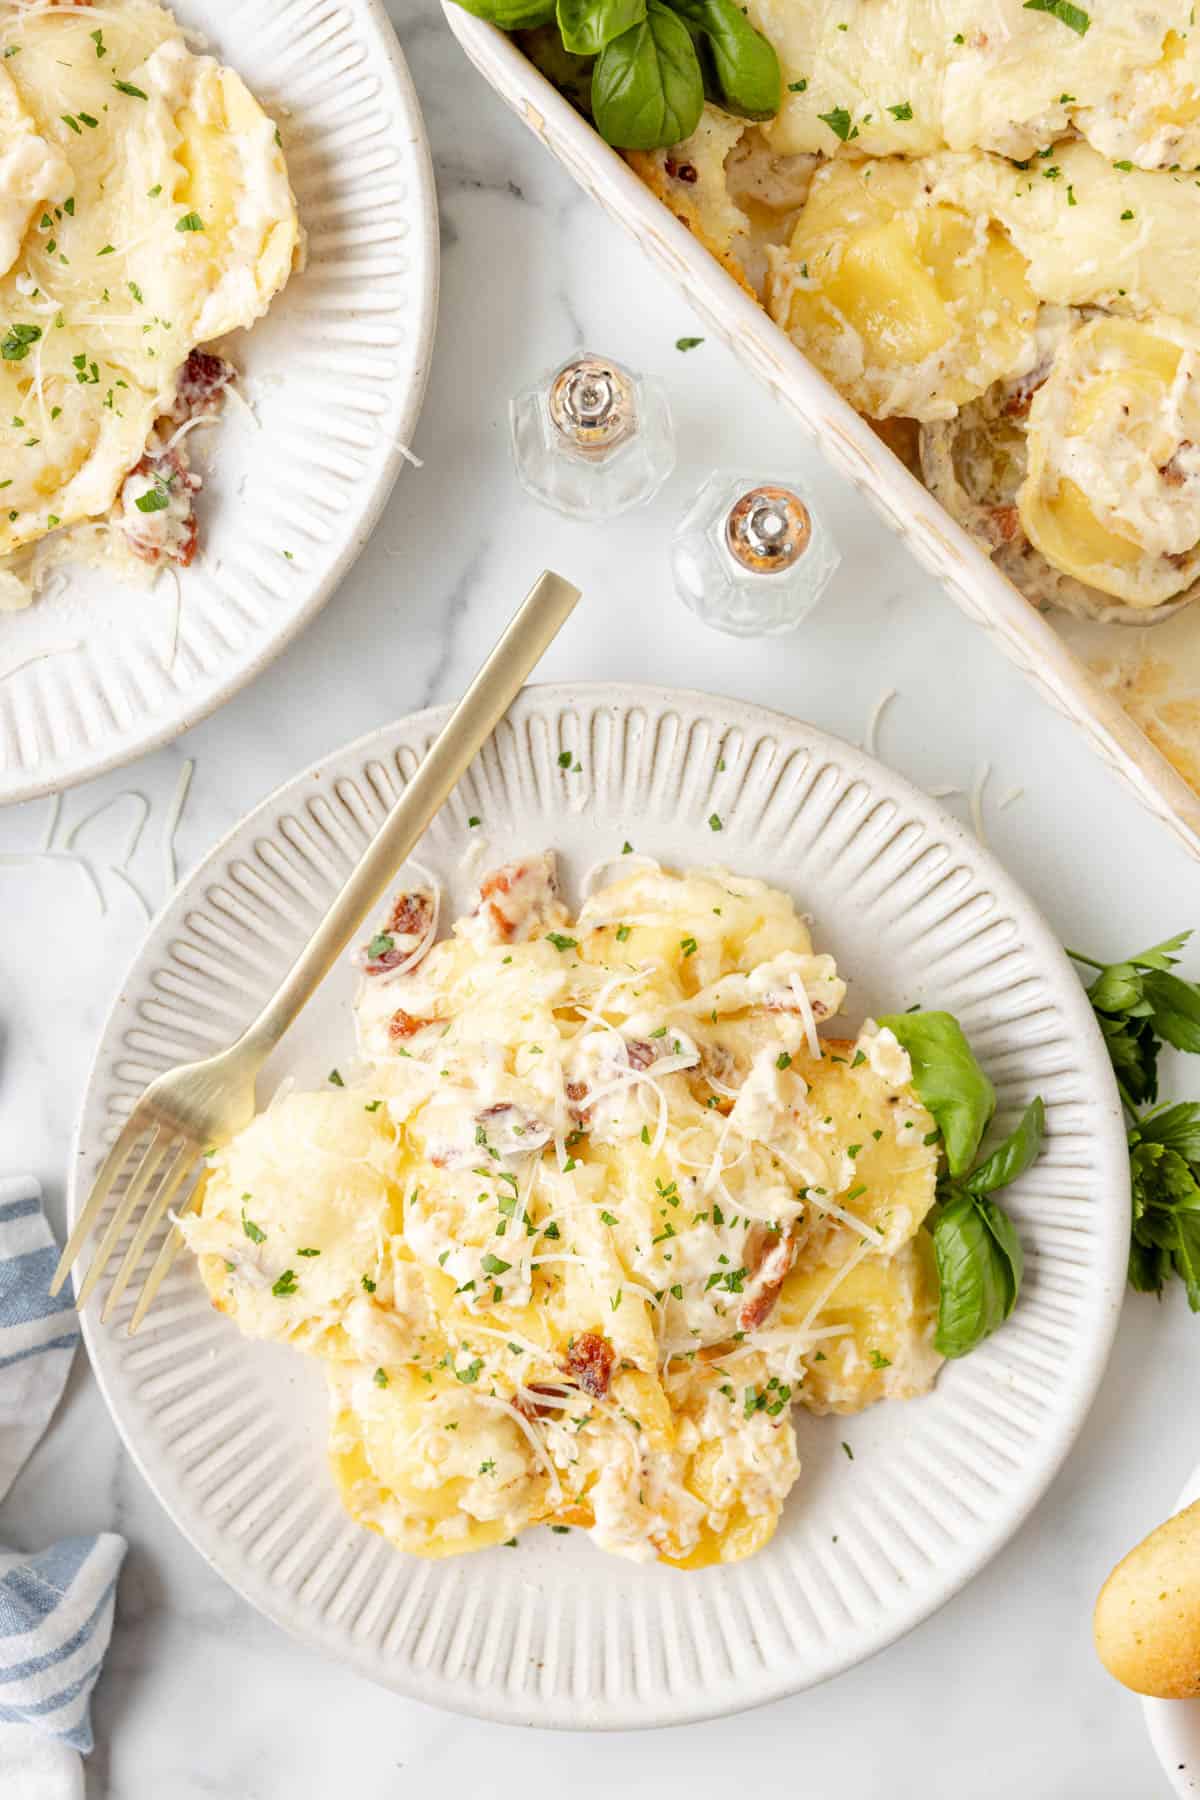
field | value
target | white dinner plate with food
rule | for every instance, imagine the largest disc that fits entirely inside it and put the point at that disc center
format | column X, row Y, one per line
column 218, row 285
column 1174, row 1725
column 706, row 1097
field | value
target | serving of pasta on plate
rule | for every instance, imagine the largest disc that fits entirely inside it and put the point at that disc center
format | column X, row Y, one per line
column 598, row 1208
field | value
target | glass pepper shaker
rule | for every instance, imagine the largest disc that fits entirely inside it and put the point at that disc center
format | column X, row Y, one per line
column 592, row 438
column 751, row 557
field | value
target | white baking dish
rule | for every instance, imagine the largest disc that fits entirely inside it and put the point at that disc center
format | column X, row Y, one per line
column 1059, row 654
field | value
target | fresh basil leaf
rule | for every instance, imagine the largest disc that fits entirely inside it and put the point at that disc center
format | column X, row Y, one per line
column 1004, row 1236
column 647, row 89
column 511, row 15
column 1175, row 1009
column 1009, row 1160
column 745, row 68
column 975, row 1279
column 587, row 25
column 1177, row 1127
column 949, row 1080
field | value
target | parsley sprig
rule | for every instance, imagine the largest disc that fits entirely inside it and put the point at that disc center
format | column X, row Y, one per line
column 1140, row 1005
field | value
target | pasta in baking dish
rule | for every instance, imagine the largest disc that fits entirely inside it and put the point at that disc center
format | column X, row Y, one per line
column 144, row 212
column 599, row 1210
column 982, row 224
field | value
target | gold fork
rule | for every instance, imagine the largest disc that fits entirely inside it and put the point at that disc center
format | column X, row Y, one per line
column 204, row 1103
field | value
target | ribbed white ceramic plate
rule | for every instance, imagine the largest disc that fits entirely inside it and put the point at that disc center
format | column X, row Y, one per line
column 94, row 673
column 231, row 1435
column 1174, row 1725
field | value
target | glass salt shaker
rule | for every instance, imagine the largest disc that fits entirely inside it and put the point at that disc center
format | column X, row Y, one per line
column 592, row 438
column 751, row 557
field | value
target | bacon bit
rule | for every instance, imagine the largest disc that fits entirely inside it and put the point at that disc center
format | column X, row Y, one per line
column 530, row 890
column 156, row 544
column 406, row 923
column 201, row 386
column 681, row 171
column 1022, row 390
column 589, row 1361
column 577, row 1093
column 1003, row 525
column 768, row 1257
column 641, row 1054
column 513, row 1131
column 402, row 1025
column 1172, row 472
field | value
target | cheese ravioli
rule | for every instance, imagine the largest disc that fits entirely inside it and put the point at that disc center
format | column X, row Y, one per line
column 600, row 1209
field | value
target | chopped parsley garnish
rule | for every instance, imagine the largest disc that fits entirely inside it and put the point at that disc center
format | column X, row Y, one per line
column 155, row 499
column 797, row 87
column 848, row 1450
column 560, row 942
column 190, row 222
column 493, row 1265
column 127, row 87
column 688, row 945
column 308, row 1253
column 16, row 345
column 380, row 1378
column 623, row 933
column 380, row 944
column 285, row 1285
column 783, row 1060
column 564, row 759
column 688, row 343
column 252, row 1231
column 473, row 821
column 368, row 1284
column 336, row 1079
column 714, row 822
column 903, row 112
column 470, row 1373
column 839, row 123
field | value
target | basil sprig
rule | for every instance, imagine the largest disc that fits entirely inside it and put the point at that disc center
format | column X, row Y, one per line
column 655, row 61
column 978, row 1253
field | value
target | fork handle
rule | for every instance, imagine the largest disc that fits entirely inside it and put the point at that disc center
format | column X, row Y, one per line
column 532, row 628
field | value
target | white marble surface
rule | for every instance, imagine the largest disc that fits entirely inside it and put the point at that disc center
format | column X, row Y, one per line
column 1000, row 1693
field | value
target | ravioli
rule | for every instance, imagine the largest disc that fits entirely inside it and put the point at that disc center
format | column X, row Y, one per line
column 144, row 210
column 909, row 304
column 599, row 1211
column 1112, row 493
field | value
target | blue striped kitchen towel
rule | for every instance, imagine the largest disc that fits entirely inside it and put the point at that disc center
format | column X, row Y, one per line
column 56, row 1606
